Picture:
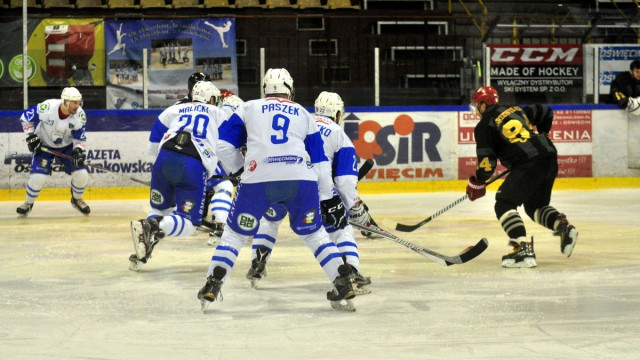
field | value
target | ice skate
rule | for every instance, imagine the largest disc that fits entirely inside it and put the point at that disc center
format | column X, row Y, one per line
column 145, row 234
column 80, row 205
column 135, row 264
column 359, row 282
column 258, row 268
column 568, row 235
column 340, row 297
column 522, row 255
column 211, row 290
column 24, row 209
column 215, row 234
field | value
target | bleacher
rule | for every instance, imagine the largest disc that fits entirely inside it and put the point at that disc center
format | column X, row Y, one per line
column 34, row 5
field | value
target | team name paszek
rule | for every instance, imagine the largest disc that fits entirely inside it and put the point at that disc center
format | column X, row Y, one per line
column 285, row 108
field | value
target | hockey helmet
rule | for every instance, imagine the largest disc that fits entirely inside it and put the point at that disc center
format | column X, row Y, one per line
column 225, row 93
column 204, row 90
column 71, row 94
column 232, row 100
column 484, row 94
column 278, row 81
column 329, row 104
column 195, row 77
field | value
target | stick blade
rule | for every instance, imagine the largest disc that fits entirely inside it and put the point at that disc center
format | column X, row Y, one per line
column 410, row 228
column 475, row 251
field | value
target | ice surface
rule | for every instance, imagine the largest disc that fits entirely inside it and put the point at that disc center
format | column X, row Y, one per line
column 66, row 291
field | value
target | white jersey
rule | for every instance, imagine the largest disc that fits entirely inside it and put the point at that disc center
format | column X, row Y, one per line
column 44, row 120
column 200, row 120
column 342, row 156
column 283, row 143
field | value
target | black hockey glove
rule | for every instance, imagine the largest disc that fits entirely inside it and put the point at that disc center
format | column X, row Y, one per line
column 33, row 142
column 235, row 177
column 333, row 212
column 78, row 157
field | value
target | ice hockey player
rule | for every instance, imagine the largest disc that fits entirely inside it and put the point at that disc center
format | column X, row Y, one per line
column 284, row 147
column 184, row 140
column 329, row 111
column 193, row 79
column 220, row 191
column 56, row 124
column 507, row 134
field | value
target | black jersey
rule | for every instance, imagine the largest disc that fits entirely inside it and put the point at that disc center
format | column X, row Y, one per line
column 622, row 87
column 508, row 134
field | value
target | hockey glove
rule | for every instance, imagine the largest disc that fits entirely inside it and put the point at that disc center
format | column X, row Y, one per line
column 333, row 212
column 475, row 189
column 358, row 213
column 33, row 142
column 78, row 157
column 235, row 177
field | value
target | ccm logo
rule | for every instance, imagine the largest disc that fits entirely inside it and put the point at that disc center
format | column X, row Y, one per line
column 534, row 54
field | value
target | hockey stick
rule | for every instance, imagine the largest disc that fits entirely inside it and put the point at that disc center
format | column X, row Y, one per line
column 410, row 228
column 365, row 168
column 97, row 167
column 468, row 254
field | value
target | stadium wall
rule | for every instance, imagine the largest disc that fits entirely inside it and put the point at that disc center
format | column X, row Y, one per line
column 416, row 149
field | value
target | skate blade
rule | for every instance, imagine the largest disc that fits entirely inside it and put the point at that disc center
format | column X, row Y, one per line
column 364, row 290
column 213, row 241
column 135, row 265
column 573, row 235
column 525, row 263
column 343, row 305
column 254, row 283
column 204, row 305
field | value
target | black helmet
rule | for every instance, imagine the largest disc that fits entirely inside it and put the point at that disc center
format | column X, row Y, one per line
column 195, row 77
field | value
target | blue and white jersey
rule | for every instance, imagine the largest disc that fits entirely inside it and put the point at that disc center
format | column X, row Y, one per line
column 342, row 156
column 44, row 120
column 283, row 143
column 200, row 120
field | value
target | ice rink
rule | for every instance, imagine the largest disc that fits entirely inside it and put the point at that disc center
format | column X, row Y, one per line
column 66, row 291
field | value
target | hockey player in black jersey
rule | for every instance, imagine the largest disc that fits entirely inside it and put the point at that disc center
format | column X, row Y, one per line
column 518, row 137
column 625, row 89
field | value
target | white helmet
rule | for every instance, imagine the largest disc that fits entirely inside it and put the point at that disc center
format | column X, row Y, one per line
column 278, row 81
column 330, row 104
column 232, row 100
column 203, row 91
column 71, row 94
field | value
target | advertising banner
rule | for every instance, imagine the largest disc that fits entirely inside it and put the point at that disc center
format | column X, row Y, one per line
column 613, row 60
column 571, row 133
column 60, row 52
column 175, row 50
column 551, row 74
column 411, row 146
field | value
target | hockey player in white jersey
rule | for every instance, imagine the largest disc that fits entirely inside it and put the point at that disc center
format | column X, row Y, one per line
column 220, row 191
column 329, row 111
column 284, row 164
column 183, row 138
column 56, row 124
